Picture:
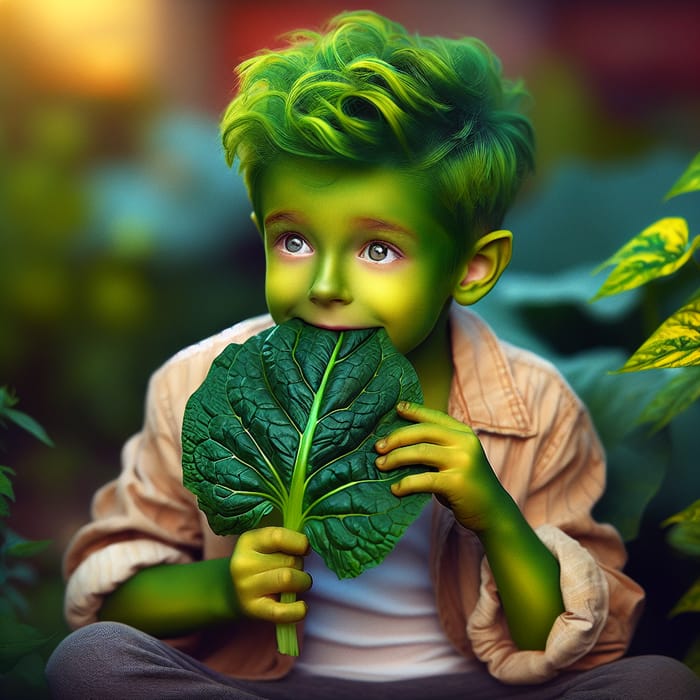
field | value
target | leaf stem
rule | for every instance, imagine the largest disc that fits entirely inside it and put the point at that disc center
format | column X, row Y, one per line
column 293, row 516
column 287, row 642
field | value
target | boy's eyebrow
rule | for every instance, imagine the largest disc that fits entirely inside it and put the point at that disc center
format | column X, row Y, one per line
column 284, row 217
column 372, row 224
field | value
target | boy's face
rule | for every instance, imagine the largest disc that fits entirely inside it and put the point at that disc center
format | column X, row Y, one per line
column 355, row 248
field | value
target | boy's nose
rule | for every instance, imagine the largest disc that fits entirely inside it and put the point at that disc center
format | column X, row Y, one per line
column 329, row 284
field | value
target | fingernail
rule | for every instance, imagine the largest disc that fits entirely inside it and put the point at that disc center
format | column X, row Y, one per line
column 402, row 406
column 381, row 444
column 380, row 461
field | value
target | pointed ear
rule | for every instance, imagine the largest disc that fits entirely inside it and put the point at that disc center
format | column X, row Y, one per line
column 489, row 259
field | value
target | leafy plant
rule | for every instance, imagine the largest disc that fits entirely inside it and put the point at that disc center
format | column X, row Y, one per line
column 658, row 251
column 19, row 640
column 287, row 421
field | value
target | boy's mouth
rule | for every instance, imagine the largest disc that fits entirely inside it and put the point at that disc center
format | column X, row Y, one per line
column 334, row 326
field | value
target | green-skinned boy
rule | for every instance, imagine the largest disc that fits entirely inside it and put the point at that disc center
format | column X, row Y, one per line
column 379, row 166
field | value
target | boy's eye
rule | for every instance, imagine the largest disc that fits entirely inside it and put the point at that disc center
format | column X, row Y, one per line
column 379, row 253
column 293, row 243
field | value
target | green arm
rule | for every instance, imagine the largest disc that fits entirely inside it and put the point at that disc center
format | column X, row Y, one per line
column 526, row 574
column 170, row 600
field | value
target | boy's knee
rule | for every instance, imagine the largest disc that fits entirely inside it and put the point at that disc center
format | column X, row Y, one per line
column 93, row 652
column 655, row 676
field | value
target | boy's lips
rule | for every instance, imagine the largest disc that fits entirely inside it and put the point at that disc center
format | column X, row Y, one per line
column 336, row 326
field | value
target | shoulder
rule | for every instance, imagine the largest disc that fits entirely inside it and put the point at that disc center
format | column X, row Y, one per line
column 205, row 351
column 174, row 382
column 506, row 388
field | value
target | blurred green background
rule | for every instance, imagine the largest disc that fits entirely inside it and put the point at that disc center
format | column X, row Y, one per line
column 124, row 236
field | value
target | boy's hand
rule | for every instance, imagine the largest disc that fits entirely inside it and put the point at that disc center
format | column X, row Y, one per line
column 463, row 478
column 266, row 562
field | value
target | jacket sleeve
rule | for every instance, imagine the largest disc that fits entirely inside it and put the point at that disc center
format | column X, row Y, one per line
column 602, row 605
column 143, row 518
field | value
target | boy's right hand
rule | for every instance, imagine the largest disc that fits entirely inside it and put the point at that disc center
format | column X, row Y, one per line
column 266, row 562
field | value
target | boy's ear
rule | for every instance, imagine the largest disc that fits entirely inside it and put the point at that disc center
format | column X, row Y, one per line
column 480, row 273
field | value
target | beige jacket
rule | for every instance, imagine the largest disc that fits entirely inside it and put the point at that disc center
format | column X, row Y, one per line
column 539, row 440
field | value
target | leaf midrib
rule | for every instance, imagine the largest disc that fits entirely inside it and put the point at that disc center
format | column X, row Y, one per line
column 294, row 517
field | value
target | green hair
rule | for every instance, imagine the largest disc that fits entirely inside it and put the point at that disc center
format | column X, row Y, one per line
column 366, row 91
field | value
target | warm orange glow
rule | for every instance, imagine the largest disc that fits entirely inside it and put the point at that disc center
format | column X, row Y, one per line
column 83, row 46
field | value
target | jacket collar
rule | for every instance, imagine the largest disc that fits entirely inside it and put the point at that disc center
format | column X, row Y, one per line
column 488, row 400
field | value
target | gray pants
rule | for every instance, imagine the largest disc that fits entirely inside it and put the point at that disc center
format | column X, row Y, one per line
column 110, row 660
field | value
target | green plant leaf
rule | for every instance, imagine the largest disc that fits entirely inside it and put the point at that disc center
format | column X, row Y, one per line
column 15, row 545
column 28, row 423
column 675, row 343
column 288, row 420
column 7, row 399
column 685, row 539
column 689, row 602
column 681, row 392
column 691, row 514
column 16, row 641
column 689, row 181
column 684, row 536
column 659, row 250
column 6, row 488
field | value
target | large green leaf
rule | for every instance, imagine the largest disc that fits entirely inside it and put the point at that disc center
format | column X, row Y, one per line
column 675, row 343
column 678, row 394
column 659, row 250
column 689, row 181
column 288, row 420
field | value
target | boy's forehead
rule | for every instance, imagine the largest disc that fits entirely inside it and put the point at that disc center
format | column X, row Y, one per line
column 331, row 196
column 367, row 186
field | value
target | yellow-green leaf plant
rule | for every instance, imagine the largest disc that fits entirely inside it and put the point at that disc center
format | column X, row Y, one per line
column 658, row 251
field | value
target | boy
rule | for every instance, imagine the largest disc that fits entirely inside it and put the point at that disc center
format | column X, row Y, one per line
column 379, row 166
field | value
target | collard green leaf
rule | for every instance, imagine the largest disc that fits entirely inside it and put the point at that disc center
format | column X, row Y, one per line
column 689, row 181
column 659, row 250
column 288, row 420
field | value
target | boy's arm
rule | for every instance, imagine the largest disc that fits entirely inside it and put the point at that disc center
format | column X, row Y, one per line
column 171, row 600
column 526, row 573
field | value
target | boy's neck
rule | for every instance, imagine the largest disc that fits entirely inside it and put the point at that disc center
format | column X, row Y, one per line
column 432, row 360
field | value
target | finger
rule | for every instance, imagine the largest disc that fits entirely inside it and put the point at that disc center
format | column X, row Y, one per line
column 270, row 540
column 272, row 610
column 420, row 455
column 417, row 433
column 418, row 413
column 271, row 584
column 268, row 562
column 425, row 482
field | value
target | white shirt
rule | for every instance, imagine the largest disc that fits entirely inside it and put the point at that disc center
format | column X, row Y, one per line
column 382, row 625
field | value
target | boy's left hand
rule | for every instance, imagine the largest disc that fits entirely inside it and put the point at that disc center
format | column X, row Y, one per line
column 463, row 478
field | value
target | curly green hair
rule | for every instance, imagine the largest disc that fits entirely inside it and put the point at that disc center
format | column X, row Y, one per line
column 365, row 91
